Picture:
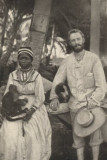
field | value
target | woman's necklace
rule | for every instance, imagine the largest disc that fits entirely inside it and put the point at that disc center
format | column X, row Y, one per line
column 28, row 72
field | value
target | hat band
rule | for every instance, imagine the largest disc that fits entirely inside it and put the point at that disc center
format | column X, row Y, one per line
column 25, row 51
column 90, row 122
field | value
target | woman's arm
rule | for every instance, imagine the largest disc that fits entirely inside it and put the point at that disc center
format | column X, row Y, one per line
column 10, row 81
column 39, row 98
column 39, row 92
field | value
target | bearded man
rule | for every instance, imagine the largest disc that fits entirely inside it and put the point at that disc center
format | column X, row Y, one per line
column 84, row 74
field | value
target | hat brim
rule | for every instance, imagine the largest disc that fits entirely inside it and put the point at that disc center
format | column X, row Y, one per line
column 99, row 119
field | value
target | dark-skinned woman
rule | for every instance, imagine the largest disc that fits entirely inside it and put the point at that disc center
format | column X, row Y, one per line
column 35, row 144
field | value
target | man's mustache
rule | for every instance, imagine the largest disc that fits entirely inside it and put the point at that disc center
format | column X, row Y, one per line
column 78, row 45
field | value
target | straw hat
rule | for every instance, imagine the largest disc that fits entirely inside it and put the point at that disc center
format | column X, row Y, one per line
column 88, row 121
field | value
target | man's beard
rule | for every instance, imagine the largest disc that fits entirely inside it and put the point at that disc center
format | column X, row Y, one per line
column 78, row 48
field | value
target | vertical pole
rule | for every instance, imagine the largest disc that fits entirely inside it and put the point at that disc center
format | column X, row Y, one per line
column 95, row 27
column 105, row 28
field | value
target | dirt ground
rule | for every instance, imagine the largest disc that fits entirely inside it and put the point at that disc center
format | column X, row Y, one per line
column 62, row 143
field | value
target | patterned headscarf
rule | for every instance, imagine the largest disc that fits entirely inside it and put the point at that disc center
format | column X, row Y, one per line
column 27, row 50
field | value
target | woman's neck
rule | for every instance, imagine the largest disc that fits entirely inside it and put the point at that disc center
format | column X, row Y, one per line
column 26, row 69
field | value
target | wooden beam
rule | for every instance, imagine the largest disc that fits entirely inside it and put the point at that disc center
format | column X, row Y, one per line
column 95, row 27
column 39, row 27
column 104, row 13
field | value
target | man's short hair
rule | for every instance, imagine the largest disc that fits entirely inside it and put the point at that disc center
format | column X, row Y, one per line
column 75, row 31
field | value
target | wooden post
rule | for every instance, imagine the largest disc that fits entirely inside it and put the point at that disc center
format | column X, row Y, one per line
column 39, row 27
column 105, row 28
column 95, row 27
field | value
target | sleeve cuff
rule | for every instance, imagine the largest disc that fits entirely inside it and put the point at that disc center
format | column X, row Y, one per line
column 34, row 107
column 53, row 98
column 95, row 102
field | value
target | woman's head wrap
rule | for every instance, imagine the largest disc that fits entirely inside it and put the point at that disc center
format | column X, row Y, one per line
column 27, row 50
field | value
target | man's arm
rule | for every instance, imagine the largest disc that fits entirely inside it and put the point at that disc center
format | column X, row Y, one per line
column 61, row 76
column 100, row 84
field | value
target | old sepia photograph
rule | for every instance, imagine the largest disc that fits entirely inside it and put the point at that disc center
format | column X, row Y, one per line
column 53, row 79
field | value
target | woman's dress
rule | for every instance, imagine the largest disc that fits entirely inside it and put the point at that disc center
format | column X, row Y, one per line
column 36, row 142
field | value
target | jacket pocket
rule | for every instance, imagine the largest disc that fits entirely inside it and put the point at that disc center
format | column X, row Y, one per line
column 89, row 81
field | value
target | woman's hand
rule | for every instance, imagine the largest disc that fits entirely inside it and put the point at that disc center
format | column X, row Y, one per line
column 29, row 114
column 54, row 104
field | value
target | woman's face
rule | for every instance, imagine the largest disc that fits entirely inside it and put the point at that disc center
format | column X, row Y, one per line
column 25, row 61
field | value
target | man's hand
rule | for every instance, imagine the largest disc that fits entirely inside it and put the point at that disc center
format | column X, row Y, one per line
column 54, row 105
column 91, row 104
column 29, row 114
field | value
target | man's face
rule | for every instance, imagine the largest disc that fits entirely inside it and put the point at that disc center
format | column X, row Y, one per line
column 76, row 42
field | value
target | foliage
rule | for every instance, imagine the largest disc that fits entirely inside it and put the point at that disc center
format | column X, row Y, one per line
column 20, row 5
column 12, row 14
column 71, row 14
column 17, row 13
column 64, row 15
